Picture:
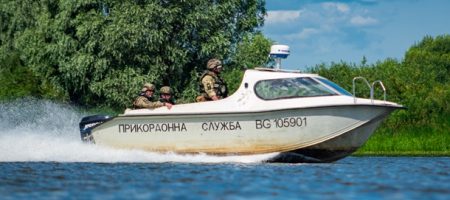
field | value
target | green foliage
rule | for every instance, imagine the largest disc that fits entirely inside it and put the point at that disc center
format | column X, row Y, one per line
column 252, row 52
column 433, row 139
column 420, row 82
column 191, row 90
column 18, row 81
column 15, row 79
column 427, row 76
column 103, row 51
column 15, row 17
column 233, row 78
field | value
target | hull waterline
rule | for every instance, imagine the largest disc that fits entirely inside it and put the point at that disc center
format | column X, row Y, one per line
column 333, row 149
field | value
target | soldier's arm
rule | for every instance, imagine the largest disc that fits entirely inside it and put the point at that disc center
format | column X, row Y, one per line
column 208, row 84
column 140, row 102
column 155, row 104
column 143, row 102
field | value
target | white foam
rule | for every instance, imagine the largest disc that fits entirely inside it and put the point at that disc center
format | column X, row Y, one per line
column 42, row 131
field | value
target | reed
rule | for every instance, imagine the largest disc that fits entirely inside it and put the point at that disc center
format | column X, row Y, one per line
column 430, row 140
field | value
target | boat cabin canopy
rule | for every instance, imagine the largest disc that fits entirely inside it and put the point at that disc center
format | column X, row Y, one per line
column 296, row 87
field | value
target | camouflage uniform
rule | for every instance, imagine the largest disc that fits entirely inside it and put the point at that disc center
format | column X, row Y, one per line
column 142, row 101
column 211, row 84
column 166, row 90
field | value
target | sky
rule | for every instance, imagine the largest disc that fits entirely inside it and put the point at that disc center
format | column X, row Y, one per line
column 333, row 31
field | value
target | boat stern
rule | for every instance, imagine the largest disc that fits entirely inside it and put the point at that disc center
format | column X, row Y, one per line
column 90, row 122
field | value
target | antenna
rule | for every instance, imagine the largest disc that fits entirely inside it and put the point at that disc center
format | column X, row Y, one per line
column 279, row 52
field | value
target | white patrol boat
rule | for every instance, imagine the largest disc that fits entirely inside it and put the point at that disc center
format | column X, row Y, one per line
column 302, row 117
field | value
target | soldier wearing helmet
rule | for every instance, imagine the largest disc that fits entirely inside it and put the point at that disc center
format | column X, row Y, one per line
column 165, row 95
column 145, row 98
column 212, row 86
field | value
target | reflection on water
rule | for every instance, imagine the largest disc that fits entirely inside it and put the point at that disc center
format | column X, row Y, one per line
column 350, row 178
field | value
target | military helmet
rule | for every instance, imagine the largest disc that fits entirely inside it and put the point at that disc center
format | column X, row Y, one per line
column 212, row 63
column 148, row 86
column 165, row 90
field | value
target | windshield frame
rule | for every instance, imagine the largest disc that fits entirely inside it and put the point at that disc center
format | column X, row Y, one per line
column 334, row 86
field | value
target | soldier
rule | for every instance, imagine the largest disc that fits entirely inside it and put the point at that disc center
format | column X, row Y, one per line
column 145, row 98
column 212, row 87
column 165, row 95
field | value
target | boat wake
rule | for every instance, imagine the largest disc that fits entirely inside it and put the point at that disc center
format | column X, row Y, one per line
column 34, row 130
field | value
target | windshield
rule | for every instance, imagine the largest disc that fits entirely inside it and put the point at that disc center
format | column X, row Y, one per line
column 290, row 88
column 335, row 86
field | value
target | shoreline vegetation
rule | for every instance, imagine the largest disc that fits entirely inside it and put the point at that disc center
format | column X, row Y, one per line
column 429, row 140
column 405, row 145
column 75, row 53
column 403, row 153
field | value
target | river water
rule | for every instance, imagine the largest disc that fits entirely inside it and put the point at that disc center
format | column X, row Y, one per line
column 42, row 157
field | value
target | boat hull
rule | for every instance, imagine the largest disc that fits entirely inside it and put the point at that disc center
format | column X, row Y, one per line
column 317, row 134
column 333, row 149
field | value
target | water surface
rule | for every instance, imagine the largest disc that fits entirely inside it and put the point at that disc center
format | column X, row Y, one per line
column 350, row 178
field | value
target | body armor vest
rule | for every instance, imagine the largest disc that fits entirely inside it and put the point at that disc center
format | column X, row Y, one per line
column 220, row 88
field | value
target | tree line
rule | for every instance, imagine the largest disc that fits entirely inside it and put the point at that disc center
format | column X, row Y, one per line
column 100, row 52
column 420, row 81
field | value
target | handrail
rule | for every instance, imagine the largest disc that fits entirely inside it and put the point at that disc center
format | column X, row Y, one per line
column 365, row 80
column 372, row 90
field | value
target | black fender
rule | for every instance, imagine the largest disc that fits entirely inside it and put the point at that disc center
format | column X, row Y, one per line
column 90, row 122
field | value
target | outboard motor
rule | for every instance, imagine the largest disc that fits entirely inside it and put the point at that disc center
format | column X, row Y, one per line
column 90, row 122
